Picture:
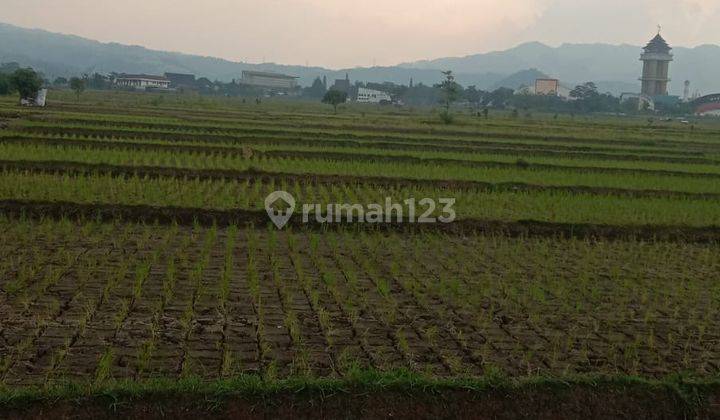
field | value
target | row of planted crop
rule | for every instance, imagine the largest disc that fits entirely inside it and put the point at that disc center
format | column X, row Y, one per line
column 551, row 304
column 190, row 286
column 548, row 206
column 521, row 289
column 705, row 143
column 454, row 171
column 578, row 161
column 137, row 275
column 618, row 129
column 172, row 106
column 481, row 149
column 57, row 284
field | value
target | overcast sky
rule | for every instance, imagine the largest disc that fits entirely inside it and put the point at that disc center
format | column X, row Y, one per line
column 343, row 33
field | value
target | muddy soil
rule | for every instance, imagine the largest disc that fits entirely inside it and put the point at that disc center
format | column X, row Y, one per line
column 541, row 404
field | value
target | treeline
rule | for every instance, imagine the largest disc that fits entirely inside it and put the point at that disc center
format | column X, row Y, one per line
column 584, row 98
column 202, row 85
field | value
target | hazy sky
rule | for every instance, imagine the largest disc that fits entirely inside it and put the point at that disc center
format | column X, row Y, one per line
column 341, row 33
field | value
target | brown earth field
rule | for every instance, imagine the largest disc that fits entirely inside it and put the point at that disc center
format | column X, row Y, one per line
column 92, row 302
column 140, row 301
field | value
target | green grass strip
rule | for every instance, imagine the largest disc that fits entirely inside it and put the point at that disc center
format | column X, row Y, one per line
column 691, row 392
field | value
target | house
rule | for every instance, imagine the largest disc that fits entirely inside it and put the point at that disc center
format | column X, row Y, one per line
column 547, row 86
column 181, row 81
column 268, row 80
column 343, row 85
column 551, row 87
column 370, row 96
column 142, row 81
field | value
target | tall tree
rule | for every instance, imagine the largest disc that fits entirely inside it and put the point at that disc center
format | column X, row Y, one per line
column 317, row 90
column 473, row 95
column 26, row 82
column 585, row 91
column 334, row 97
column 5, row 86
column 78, row 86
column 498, row 98
column 588, row 99
column 450, row 89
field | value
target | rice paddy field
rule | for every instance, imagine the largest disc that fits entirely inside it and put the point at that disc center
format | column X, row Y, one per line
column 137, row 259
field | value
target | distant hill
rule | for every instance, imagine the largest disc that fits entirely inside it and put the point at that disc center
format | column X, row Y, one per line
column 64, row 55
column 613, row 68
column 522, row 78
column 67, row 55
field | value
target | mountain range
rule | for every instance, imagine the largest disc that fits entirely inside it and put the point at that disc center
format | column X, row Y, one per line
column 614, row 68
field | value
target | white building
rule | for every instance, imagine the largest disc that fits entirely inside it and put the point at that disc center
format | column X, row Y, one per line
column 142, row 81
column 370, row 96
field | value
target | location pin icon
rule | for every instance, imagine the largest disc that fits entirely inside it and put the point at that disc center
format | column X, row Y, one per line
column 280, row 206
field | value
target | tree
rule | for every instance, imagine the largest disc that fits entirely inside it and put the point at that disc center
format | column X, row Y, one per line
column 473, row 95
column 78, row 86
column 422, row 95
column 334, row 97
column 60, row 81
column 588, row 99
column 498, row 98
column 97, row 81
column 630, row 105
column 317, row 90
column 26, row 82
column 451, row 90
column 585, row 91
column 5, row 86
column 545, row 103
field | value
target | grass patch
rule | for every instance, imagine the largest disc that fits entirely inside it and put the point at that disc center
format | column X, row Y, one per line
column 690, row 392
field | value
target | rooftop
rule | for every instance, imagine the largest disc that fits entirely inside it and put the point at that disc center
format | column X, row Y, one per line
column 142, row 76
column 267, row 74
column 657, row 45
column 180, row 76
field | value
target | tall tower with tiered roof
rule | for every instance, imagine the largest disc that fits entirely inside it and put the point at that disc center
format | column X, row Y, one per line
column 656, row 58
